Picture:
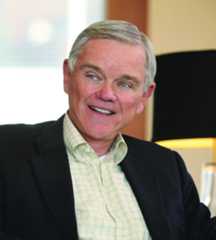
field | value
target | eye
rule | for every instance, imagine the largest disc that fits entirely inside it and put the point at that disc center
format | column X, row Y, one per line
column 92, row 76
column 126, row 84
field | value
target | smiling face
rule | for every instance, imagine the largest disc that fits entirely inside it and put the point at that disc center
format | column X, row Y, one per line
column 105, row 88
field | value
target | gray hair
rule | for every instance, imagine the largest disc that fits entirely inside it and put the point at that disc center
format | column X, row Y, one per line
column 120, row 31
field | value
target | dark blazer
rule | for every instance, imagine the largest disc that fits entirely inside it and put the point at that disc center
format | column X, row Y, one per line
column 36, row 193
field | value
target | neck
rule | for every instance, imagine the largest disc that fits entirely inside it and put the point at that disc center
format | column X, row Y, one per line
column 101, row 147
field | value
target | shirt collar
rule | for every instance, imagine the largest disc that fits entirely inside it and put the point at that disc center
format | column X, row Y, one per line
column 119, row 149
column 72, row 138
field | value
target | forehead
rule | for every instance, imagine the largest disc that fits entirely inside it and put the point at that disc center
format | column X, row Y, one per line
column 110, row 45
column 114, row 54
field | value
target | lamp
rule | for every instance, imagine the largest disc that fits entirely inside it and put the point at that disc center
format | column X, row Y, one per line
column 185, row 101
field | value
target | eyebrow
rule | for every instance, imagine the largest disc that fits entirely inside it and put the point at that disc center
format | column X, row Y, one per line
column 93, row 67
column 88, row 65
column 129, row 77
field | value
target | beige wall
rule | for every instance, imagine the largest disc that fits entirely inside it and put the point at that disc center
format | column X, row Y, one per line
column 182, row 25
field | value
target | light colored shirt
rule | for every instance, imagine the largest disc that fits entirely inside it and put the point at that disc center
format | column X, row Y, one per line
column 105, row 206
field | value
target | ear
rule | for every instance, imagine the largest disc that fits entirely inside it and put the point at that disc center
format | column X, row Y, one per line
column 150, row 90
column 146, row 95
column 67, row 75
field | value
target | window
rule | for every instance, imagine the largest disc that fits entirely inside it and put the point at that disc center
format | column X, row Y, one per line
column 35, row 38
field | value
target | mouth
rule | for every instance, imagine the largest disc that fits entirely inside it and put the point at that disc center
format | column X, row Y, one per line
column 102, row 110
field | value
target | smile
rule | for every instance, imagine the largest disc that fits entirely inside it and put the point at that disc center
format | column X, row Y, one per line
column 101, row 110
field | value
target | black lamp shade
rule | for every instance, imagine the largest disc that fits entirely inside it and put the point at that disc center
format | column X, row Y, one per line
column 185, row 96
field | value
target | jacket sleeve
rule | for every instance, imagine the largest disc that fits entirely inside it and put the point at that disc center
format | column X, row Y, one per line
column 3, row 150
column 199, row 224
column 3, row 235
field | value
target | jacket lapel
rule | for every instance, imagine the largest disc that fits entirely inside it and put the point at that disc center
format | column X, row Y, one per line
column 146, row 187
column 51, row 169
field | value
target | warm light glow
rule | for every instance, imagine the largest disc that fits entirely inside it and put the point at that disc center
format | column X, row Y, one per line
column 188, row 143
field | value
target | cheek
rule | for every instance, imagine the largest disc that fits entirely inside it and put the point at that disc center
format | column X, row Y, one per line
column 79, row 96
column 130, row 102
column 76, row 91
column 131, row 105
column 75, row 98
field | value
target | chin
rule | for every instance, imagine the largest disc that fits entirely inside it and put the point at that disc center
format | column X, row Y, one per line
column 102, row 135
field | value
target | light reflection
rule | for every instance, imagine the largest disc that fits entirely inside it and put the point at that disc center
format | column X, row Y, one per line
column 40, row 31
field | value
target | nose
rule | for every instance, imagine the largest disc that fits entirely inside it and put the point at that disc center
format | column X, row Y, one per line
column 106, row 93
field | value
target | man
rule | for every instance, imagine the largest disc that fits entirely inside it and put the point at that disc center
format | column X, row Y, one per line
column 78, row 177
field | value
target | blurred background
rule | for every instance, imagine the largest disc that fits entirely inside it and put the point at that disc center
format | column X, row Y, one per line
column 36, row 36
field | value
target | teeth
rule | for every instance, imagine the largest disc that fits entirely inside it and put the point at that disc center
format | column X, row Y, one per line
column 100, row 110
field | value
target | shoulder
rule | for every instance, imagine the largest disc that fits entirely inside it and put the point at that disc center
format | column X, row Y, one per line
column 14, row 129
column 19, row 131
column 20, row 142
column 161, row 161
column 138, row 146
column 158, row 157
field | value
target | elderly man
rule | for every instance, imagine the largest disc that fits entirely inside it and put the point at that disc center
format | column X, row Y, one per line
column 78, row 177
